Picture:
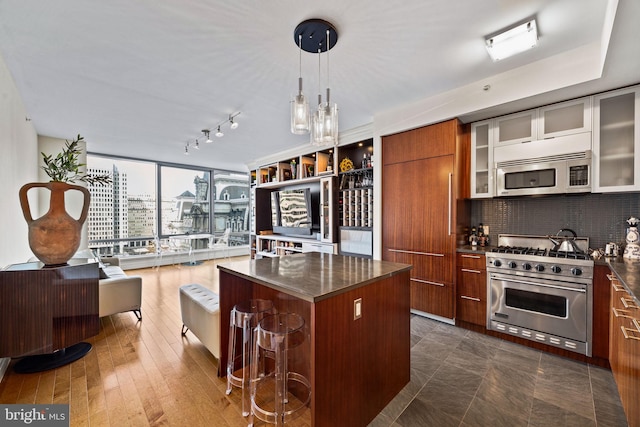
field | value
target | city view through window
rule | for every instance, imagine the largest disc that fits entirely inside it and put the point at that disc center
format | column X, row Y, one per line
column 146, row 203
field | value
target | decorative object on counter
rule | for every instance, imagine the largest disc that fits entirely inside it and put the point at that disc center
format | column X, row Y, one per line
column 632, row 250
column 473, row 237
column 596, row 253
column 55, row 236
column 611, row 249
column 346, row 165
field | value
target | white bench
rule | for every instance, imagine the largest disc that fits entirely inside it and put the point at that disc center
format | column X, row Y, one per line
column 200, row 309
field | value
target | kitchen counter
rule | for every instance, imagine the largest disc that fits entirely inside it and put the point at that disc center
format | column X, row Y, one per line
column 356, row 354
column 314, row 276
column 468, row 249
column 628, row 273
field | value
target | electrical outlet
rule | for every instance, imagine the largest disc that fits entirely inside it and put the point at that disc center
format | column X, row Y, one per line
column 357, row 308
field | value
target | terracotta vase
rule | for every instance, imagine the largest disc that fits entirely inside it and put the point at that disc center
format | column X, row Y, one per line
column 54, row 237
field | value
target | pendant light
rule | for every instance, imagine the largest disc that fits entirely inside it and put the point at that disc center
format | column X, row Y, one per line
column 317, row 116
column 317, row 35
column 299, row 105
column 329, row 126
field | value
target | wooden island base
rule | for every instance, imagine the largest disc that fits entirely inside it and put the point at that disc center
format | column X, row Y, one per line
column 356, row 366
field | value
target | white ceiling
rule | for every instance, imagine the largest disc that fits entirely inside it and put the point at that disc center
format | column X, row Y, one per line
column 141, row 78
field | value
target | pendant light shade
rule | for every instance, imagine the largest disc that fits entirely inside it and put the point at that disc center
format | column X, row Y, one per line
column 299, row 105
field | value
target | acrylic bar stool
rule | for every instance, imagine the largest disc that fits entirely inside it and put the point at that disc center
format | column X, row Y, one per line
column 245, row 317
column 280, row 396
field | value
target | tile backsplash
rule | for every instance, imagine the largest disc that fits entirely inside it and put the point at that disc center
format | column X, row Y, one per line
column 600, row 217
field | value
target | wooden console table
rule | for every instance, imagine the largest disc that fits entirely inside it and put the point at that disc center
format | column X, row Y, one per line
column 355, row 366
column 46, row 309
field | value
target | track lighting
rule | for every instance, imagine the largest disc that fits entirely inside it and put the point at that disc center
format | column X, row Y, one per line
column 218, row 132
column 206, row 134
column 233, row 125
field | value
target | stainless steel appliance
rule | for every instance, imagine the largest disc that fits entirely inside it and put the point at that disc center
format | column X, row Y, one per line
column 521, row 170
column 541, row 294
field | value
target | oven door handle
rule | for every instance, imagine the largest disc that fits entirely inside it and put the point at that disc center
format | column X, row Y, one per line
column 564, row 288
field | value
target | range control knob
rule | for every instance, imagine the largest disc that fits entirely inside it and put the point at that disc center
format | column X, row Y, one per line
column 497, row 263
column 576, row 271
column 540, row 268
column 556, row 269
column 526, row 266
column 512, row 264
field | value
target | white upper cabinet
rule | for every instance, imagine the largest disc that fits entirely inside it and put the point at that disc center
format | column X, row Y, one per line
column 515, row 128
column 482, row 159
column 616, row 140
column 565, row 118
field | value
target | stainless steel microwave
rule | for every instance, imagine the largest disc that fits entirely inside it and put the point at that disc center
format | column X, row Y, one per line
column 566, row 173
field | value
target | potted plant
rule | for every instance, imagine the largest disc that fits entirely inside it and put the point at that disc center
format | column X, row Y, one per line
column 55, row 236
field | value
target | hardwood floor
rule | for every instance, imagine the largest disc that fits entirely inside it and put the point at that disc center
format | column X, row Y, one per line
column 141, row 373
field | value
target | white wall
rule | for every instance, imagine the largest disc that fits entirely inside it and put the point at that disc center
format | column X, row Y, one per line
column 18, row 166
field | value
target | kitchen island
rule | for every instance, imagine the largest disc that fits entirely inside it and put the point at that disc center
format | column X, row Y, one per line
column 357, row 359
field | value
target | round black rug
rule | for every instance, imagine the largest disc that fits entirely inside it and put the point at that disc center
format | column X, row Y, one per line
column 45, row 362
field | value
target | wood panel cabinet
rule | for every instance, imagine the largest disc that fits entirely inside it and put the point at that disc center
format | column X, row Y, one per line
column 425, row 174
column 624, row 350
column 471, row 288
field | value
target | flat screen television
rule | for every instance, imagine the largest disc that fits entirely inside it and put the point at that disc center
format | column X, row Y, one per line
column 291, row 211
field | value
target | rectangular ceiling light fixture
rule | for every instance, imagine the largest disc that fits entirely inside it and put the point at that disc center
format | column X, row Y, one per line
column 512, row 41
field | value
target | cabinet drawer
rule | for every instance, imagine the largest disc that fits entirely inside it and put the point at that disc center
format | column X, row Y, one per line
column 471, row 294
column 432, row 267
column 472, row 285
column 432, row 297
column 471, row 261
column 317, row 247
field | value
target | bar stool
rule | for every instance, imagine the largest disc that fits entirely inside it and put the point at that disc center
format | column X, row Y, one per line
column 276, row 336
column 244, row 316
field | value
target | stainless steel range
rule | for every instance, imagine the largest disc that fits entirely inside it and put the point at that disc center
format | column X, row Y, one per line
column 541, row 290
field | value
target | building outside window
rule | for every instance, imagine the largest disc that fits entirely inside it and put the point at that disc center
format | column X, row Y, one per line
column 126, row 218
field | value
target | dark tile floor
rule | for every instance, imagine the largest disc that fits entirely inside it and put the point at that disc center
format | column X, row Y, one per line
column 462, row 378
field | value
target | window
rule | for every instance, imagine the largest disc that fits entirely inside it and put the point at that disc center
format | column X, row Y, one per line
column 125, row 217
column 185, row 200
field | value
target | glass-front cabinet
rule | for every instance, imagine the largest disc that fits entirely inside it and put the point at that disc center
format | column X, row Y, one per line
column 327, row 214
column 482, row 184
column 515, row 128
column 564, row 118
column 616, row 141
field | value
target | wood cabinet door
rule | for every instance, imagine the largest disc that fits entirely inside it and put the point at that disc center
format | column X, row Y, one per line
column 429, row 141
column 418, row 228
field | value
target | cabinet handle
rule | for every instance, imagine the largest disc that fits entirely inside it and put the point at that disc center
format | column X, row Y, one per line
column 470, row 256
column 414, row 252
column 617, row 288
column 427, row 282
column 470, row 298
column 621, row 313
column 466, row 270
column 628, row 303
column 627, row 336
column 450, row 202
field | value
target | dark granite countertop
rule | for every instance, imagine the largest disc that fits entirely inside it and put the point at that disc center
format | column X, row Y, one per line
column 474, row 249
column 313, row 276
column 628, row 273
